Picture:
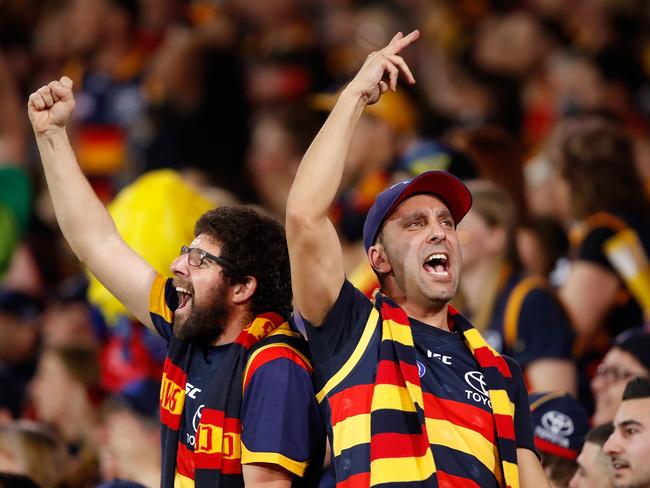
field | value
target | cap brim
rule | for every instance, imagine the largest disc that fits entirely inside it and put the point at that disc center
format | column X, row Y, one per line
column 444, row 185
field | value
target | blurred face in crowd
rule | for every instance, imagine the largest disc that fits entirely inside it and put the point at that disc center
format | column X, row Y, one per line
column 478, row 240
column 594, row 468
column 52, row 388
column 613, row 373
column 629, row 445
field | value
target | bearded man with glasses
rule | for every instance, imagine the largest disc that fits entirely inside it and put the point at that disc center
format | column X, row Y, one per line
column 236, row 402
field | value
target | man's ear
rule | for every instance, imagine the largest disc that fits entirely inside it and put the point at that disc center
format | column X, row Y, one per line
column 242, row 292
column 379, row 259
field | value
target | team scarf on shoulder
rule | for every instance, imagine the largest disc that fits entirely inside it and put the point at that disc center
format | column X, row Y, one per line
column 399, row 445
column 217, row 450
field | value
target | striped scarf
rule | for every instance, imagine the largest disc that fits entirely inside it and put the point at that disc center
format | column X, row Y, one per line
column 399, row 445
column 217, row 452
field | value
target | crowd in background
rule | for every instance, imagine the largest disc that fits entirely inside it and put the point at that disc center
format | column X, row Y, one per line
column 187, row 104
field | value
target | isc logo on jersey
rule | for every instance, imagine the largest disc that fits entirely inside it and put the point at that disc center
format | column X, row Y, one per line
column 478, row 393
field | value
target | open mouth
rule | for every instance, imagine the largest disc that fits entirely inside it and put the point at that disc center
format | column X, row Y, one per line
column 437, row 264
column 184, row 297
column 619, row 465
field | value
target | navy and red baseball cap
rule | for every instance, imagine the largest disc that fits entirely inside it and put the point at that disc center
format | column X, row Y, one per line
column 443, row 185
column 560, row 424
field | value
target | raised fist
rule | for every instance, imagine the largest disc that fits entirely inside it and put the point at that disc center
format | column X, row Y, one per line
column 50, row 106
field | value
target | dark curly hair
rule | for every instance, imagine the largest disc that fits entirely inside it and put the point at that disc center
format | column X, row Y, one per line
column 258, row 246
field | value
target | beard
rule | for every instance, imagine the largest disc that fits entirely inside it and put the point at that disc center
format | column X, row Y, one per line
column 206, row 322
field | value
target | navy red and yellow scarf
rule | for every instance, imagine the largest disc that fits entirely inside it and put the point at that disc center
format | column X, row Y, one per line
column 217, row 452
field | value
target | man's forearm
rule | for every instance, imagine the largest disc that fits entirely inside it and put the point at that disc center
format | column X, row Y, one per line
column 83, row 219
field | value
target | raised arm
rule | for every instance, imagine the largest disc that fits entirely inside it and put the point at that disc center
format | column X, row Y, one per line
column 84, row 221
column 314, row 247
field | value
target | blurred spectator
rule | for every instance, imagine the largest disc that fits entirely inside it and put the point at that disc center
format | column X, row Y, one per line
column 608, row 287
column 594, row 466
column 130, row 435
column 516, row 313
column 279, row 138
column 628, row 357
column 560, row 424
column 27, row 448
column 20, row 328
column 542, row 246
column 66, row 396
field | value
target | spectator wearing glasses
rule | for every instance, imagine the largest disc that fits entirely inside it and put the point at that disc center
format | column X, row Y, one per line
column 234, row 365
column 629, row 357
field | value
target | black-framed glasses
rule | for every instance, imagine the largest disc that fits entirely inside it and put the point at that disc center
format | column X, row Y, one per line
column 196, row 256
column 614, row 374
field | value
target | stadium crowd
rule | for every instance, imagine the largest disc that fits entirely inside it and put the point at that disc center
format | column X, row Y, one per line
column 542, row 107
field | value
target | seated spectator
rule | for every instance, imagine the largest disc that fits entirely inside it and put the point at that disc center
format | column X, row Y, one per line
column 629, row 357
column 560, row 424
column 27, row 448
column 65, row 387
column 629, row 445
column 518, row 315
column 130, row 436
column 594, row 466
column 20, row 326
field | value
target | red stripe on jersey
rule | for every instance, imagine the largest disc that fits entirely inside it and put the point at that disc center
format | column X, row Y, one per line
column 446, row 480
column 355, row 481
column 550, row 448
column 486, row 358
column 185, row 461
column 275, row 352
column 349, row 402
column 393, row 445
column 460, row 414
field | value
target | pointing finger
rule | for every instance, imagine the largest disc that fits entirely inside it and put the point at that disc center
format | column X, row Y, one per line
column 399, row 42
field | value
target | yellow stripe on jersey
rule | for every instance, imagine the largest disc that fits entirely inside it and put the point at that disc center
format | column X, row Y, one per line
column 350, row 432
column 269, row 346
column 513, row 308
column 157, row 303
column 445, row 433
column 405, row 469
column 181, row 481
column 296, row 467
column 354, row 358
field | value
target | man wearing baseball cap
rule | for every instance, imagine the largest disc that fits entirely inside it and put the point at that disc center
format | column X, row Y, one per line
column 560, row 424
column 411, row 393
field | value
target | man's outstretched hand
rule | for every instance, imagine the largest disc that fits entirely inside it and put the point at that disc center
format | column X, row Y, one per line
column 381, row 69
column 50, row 106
